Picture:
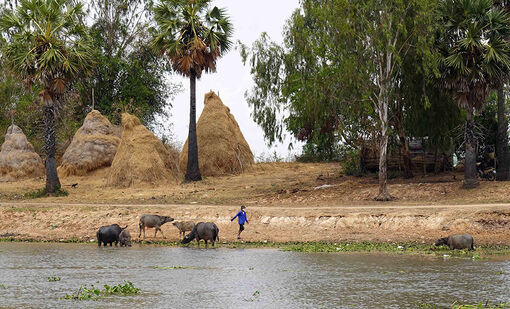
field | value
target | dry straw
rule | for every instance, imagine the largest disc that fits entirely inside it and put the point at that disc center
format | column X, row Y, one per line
column 222, row 149
column 141, row 157
column 18, row 158
column 94, row 146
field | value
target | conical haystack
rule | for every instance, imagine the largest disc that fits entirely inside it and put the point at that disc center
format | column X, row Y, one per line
column 94, row 146
column 141, row 157
column 18, row 158
column 222, row 148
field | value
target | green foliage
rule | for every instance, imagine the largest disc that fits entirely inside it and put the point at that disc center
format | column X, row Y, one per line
column 59, row 192
column 351, row 162
column 54, row 279
column 93, row 293
column 474, row 48
column 191, row 35
column 129, row 76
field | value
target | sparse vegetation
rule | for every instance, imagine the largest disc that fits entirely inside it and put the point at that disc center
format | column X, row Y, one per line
column 94, row 293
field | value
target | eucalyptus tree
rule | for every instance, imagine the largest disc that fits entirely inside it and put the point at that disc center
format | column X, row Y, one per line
column 476, row 59
column 193, row 36
column 46, row 43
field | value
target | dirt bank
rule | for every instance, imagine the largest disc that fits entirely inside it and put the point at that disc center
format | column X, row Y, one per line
column 286, row 202
column 490, row 224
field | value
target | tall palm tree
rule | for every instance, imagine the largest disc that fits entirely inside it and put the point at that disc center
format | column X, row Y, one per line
column 193, row 36
column 46, row 44
column 476, row 59
column 502, row 151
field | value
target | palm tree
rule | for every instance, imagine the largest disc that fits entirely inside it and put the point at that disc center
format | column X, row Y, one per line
column 193, row 36
column 476, row 59
column 46, row 44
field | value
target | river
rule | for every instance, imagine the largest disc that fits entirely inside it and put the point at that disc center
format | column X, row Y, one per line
column 232, row 278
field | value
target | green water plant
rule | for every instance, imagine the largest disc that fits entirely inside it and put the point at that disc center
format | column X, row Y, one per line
column 93, row 293
column 54, row 279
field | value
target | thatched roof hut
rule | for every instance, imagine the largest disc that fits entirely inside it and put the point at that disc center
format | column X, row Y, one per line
column 222, row 149
column 18, row 158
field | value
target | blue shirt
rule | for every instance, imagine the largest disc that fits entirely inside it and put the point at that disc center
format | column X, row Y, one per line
column 242, row 217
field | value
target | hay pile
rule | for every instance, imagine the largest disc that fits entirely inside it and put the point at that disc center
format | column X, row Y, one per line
column 141, row 157
column 222, row 148
column 18, row 158
column 94, row 145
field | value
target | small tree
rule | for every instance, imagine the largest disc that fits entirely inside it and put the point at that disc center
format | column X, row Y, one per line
column 476, row 59
column 46, row 43
column 193, row 37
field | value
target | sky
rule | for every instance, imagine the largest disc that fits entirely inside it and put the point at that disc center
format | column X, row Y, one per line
column 232, row 79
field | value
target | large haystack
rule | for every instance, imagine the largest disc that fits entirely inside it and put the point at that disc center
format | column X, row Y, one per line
column 94, row 146
column 222, row 148
column 141, row 157
column 18, row 158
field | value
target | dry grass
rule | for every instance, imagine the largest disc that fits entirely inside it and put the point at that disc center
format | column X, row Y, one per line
column 94, row 146
column 18, row 158
column 141, row 158
column 222, row 147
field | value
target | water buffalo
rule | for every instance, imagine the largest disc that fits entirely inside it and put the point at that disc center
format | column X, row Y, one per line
column 462, row 241
column 154, row 221
column 109, row 234
column 206, row 231
column 184, row 226
column 125, row 238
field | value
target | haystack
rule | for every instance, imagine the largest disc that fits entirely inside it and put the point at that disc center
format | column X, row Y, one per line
column 94, row 146
column 222, row 148
column 18, row 158
column 141, row 157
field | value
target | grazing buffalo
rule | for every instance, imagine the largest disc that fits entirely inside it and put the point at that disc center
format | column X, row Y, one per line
column 184, row 226
column 125, row 238
column 206, row 231
column 463, row 241
column 154, row 221
column 109, row 234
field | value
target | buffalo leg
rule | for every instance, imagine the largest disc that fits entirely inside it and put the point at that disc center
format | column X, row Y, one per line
column 198, row 243
column 205, row 243
column 161, row 232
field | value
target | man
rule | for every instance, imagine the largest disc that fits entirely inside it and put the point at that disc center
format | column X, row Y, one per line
column 241, row 215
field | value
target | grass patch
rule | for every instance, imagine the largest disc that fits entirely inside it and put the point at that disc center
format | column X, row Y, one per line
column 94, row 293
column 2, row 286
column 480, row 305
column 43, row 193
column 54, row 279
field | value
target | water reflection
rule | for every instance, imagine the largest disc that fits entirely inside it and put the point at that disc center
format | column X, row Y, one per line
column 228, row 278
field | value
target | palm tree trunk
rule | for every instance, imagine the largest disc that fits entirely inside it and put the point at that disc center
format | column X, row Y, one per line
column 470, row 173
column 502, row 155
column 52, row 181
column 192, row 169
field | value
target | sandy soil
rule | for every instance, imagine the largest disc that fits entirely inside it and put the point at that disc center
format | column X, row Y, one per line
column 286, row 202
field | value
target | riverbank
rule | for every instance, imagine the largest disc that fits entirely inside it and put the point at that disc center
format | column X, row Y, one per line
column 488, row 223
column 481, row 252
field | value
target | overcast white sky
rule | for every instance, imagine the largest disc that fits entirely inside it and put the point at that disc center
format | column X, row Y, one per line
column 232, row 79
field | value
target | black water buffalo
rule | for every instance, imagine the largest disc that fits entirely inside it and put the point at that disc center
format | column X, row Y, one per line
column 109, row 234
column 125, row 238
column 206, row 231
column 154, row 221
column 462, row 241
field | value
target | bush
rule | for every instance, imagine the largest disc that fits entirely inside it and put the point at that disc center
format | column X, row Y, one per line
column 351, row 162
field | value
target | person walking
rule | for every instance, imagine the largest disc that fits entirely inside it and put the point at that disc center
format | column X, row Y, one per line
column 241, row 215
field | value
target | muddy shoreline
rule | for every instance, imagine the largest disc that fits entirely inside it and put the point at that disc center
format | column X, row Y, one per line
column 488, row 223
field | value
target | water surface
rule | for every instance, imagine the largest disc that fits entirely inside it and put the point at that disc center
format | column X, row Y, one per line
column 229, row 278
